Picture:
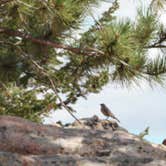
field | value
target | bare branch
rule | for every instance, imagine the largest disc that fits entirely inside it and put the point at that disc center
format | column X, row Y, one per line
column 156, row 46
column 53, row 86
column 87, row 51
column 2, row 2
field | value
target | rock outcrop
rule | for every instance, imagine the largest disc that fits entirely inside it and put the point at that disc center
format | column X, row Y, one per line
column 164, row 142
column 93, row 143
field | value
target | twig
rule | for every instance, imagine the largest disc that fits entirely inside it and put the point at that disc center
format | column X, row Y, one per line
column 10, row 32
column 54, row 89
column 4, row 2
column 155, row 46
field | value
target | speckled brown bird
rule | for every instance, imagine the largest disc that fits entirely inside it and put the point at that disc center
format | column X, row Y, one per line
column 106, row 111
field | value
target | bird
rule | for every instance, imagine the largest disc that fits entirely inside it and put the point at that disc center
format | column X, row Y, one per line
column 106, row 111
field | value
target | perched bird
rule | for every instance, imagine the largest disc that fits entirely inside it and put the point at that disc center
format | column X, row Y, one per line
column 106, row 111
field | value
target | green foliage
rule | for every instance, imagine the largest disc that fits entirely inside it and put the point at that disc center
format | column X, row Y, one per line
column 95, row 82
column 146, row 27
column 32, row 33
column 157, row 4
column 25, row 103
column 156, row 69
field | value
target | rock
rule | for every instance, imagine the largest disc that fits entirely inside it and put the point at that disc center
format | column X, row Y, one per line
column 164, row 142
column 97, row 143
column 95, row 123
column 58, row 124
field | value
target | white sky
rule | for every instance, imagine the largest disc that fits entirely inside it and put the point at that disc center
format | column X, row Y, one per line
column 136, row 107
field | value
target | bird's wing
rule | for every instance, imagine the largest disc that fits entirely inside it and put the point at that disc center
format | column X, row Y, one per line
column 112, row 115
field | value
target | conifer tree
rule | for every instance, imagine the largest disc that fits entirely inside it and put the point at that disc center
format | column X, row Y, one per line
column 43, row 66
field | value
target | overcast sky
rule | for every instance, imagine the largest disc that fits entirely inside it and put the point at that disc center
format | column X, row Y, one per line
column 136, row 107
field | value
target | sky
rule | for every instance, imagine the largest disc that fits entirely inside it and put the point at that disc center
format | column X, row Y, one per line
column 136, row 107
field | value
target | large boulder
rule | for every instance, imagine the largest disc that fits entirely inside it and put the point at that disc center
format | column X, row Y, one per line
column 95, row 142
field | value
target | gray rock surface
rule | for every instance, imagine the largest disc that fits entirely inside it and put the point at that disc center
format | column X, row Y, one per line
column 94, row 143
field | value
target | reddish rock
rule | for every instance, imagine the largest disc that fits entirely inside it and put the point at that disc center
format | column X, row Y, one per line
column 96, row 142
column 164, row 142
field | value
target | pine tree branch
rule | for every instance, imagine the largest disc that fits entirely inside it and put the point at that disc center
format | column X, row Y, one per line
column 52, row 83
column 116, row 59
column 86, row 51
column 68, row 100
column 159, row 43
column 55, row 90
column 2, row 2
column 156, row 46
